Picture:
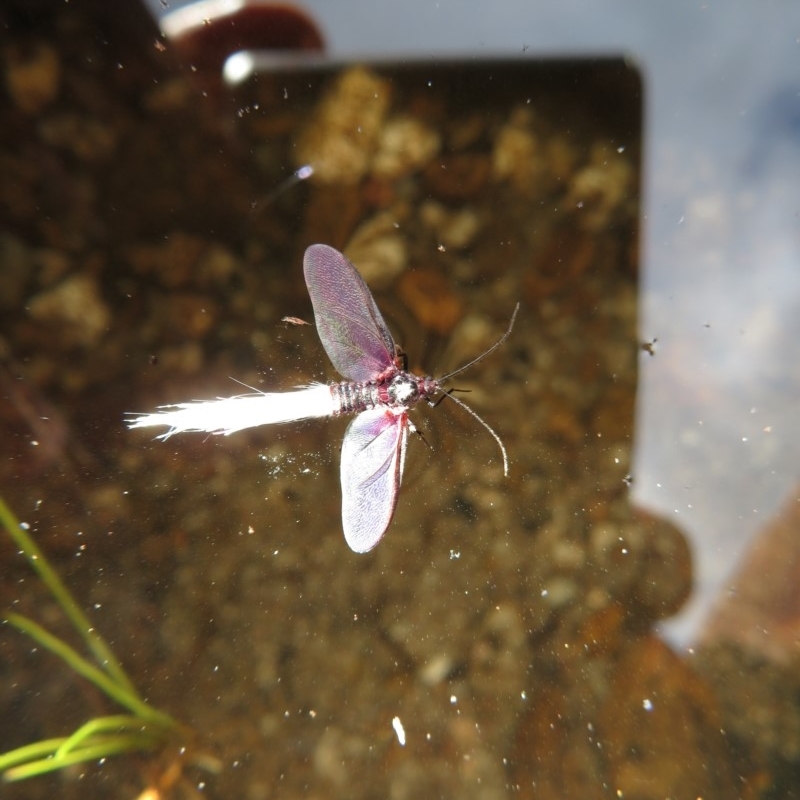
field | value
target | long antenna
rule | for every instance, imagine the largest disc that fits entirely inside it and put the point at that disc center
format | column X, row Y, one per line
column 465, row 406
column 484, row 423
column 484, row 353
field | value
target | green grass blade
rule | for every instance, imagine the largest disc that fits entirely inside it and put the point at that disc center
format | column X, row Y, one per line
column 79, row 664
column 145, row 728
column 93, row 749
column 30, row 752
column 100, row 726
column 96, row 644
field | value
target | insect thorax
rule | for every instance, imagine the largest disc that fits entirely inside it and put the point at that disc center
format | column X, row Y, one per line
column 401, row 390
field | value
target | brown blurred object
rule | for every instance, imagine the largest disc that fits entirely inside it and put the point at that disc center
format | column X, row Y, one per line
column 749, row 651
column 661, row 731
column 638, row 724
column 653, row 598
column 203, row 38
column 760, row 610
column 431, row 299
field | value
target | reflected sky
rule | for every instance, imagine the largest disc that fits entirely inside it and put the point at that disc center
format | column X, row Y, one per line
column 716, row 447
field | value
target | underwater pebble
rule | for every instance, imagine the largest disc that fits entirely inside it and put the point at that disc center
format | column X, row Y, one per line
column 599, row 189
column 517, row 156
column 345, row 130
column 76, row 308
column 33, row 75
column 455, row 229
column 559, row 592
column 379, row 249
column 430, row 297
column 406, row 145
column 664, row 579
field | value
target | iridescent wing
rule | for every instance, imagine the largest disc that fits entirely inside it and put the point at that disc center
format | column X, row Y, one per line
column 351, row 328
column 373, row 454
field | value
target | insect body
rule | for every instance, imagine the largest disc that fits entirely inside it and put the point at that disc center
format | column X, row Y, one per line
column 378, row 390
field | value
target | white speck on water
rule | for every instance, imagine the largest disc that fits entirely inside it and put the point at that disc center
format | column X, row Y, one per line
column 399, row 730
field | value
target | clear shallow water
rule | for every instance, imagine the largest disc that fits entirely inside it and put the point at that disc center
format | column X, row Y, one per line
column 495, row 612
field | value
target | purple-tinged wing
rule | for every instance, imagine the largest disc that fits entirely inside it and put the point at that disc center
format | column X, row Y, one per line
column 351, row 328
column 373, row 452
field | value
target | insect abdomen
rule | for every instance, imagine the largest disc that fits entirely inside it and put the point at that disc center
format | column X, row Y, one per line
column 353, row 398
